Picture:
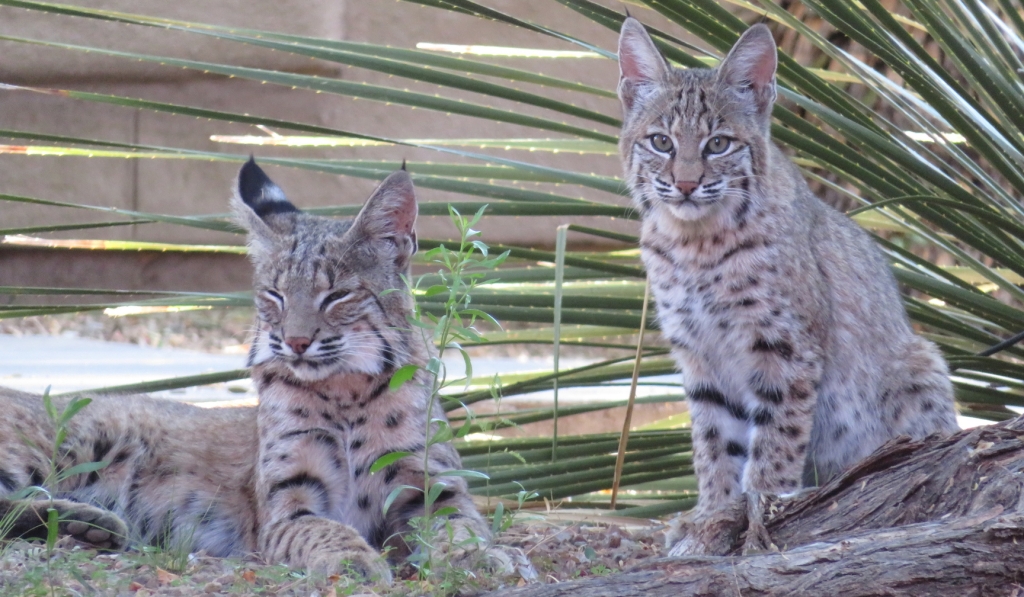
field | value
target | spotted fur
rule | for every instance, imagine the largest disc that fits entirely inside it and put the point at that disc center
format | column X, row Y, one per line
column 796, row 352
column 291, row 478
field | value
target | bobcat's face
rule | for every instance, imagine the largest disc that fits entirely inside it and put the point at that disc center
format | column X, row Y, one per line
column 320, row 283
column 690, row 157
column 692, row 139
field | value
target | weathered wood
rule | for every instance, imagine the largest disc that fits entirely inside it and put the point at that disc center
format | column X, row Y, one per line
column 908, row 482
column 970, row 557
column 942, row 516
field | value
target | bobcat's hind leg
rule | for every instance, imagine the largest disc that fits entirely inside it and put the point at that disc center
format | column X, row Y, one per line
column 86, row 523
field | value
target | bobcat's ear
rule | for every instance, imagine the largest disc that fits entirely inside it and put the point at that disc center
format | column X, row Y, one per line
column 642, row 69
column 390, row 213
column 749, row 69
column 259, row 204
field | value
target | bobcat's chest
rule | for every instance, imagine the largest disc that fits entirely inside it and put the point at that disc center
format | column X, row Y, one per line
column 712, row 297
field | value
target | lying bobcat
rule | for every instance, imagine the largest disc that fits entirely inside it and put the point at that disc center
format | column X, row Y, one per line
column 289, row 479
column 796, row 352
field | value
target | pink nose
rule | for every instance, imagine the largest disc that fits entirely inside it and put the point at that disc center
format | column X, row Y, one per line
column 686, row 186
column 298, row 345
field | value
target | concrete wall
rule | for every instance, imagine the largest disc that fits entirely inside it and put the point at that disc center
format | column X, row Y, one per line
column 195, row 187
column 157, row 186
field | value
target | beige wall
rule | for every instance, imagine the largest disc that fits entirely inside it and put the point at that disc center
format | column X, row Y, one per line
column 191, row 187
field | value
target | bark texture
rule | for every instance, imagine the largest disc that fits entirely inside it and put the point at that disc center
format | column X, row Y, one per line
column 942, row 516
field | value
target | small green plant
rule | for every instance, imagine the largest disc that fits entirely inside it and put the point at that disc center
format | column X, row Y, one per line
column 57, row 473
column 173, row 546
column 446, row 325
column 504, row 518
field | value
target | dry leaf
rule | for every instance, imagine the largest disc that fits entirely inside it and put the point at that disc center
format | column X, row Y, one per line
column 249, row 576
column 134, row 586
column 164, row 577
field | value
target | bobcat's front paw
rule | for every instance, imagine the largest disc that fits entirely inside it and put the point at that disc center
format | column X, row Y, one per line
column 736, row 526
column 359, row 560
column 496, row 560
column 324, row 546
column 756, row 538
column 705, row 532
column 84, row 522
column 507, row 560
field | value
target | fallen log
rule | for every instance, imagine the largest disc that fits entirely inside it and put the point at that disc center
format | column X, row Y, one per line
column 940, row 516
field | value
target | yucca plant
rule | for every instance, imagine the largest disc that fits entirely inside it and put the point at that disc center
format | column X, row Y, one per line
column 928, row 147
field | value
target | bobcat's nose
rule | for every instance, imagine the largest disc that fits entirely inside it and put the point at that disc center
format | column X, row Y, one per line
column 687, row 186
column 298, row 345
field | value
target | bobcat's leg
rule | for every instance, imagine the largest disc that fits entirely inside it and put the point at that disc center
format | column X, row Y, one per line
column 300, row 478
column 785, row 395
column 784, row 388
column 321, row 545
column 720, row 436
column 86, row 523
column 463, row 536
column 748, row 445
column 921, row 403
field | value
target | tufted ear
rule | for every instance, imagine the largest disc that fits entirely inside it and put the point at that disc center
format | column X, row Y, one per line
column 260, row 206
column 390, row 213
column 749, row 69
column 641, row 67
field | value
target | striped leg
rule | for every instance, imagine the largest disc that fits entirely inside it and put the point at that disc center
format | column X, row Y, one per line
column 300, row 478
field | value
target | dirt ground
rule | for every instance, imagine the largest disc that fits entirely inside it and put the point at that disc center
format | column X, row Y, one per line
column 559, row 550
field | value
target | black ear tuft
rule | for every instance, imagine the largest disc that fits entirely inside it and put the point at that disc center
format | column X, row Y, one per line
column 260, row 193
column 403, row 164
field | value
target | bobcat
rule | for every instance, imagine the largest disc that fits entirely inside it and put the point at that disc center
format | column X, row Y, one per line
column 796, row 352
column 290, row 478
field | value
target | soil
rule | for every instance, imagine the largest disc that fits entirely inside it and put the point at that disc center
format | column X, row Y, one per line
column 559, row 550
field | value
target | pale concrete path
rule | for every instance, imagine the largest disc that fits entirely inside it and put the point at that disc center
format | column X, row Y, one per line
column 67, row 363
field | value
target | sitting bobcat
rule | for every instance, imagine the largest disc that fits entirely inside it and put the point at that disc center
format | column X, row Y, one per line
column 783, row 316
column 290, row 478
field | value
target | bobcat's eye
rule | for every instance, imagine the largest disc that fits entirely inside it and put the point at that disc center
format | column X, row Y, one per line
column 661, row 143
column 717, row 145
column 269, row 305
column 275, row 298
column 338, row 296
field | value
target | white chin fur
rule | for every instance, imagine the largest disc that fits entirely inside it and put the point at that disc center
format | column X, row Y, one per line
column 304, row 372
column 358, row 363
column 689, row 211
